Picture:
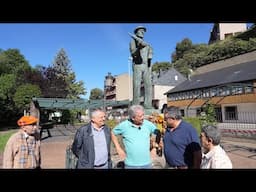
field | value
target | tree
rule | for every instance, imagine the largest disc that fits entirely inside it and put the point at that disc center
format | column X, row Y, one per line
column 181, row 48
column 75, row 89
column 208, row 116
column 96, row 94
column 62, row 63
column 63, row 72
column 161, row 66
column 24, row 94
column 12, row 62
column 7, row 86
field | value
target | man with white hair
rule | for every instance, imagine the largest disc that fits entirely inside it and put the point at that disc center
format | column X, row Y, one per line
column 136, row 132
column 91, row 144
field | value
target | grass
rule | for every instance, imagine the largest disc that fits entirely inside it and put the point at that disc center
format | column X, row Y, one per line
column 4, row 136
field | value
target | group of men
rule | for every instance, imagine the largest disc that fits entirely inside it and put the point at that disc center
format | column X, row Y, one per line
column 182, row 148
column 181, row 144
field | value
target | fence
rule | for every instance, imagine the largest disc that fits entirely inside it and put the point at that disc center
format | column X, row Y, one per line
column 236, row 117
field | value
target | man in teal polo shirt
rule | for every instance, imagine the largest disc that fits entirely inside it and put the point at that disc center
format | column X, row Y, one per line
column 136, row 133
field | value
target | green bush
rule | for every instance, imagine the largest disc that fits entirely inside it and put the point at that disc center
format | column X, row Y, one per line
column 195, row 122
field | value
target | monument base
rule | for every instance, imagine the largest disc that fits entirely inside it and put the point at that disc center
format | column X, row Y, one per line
column 151, row 111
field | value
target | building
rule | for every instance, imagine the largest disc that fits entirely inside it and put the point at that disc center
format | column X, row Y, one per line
column 221, row 31
column 164, row 81
column 230, row 85
column 118, row 87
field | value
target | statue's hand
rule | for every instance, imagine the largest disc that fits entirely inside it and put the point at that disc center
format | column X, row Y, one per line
column 142, row 44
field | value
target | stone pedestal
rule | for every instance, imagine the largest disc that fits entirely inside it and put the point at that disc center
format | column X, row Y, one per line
column 150, row 111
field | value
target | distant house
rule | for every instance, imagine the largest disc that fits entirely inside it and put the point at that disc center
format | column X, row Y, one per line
column 164, row 81
column 221, row 31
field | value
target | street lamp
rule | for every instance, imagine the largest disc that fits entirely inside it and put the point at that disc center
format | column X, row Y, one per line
column 107, row 86
column 130, row 75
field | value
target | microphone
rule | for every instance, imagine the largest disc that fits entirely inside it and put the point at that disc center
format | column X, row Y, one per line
column 139, row 128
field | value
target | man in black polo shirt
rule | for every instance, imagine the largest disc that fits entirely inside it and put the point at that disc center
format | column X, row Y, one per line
column 182, row 148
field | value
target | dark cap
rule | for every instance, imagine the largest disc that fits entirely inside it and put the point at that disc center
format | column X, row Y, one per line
column 139, row 27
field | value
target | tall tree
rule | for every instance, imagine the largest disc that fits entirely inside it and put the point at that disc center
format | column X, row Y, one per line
column 12, row 69
column 61, row 63
column 181, row 48
column 12, row 62
column 62, row 69
column 96, row 94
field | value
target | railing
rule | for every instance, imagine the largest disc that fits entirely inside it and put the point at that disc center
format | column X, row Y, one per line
column 236, row 117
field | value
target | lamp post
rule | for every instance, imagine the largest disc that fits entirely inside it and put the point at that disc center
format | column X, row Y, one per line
column 130, row 76
column 107, row 85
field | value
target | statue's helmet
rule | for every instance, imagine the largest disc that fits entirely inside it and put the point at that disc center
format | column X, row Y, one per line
column 140, row 27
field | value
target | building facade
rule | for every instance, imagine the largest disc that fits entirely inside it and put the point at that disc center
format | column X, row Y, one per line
column 221, row 31
column 229, row 85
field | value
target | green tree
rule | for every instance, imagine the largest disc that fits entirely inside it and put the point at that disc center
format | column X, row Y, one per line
column 208, row 116
column 63, row 71
column 96, row 94
column 13, row 62
column 7, row 86
column 181, row 48
column 75, row 89
column 161, row 66
column 23, row 95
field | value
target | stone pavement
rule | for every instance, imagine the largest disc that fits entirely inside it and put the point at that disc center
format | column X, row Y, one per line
column 242, row 153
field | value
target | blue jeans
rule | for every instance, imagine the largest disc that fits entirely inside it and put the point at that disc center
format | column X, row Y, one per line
column 148, row 166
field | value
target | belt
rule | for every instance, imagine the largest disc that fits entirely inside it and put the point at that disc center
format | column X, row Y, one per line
column 179, row 167
column 101, row 165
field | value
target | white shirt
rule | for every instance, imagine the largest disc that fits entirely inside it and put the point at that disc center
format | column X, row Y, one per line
column 216, row 159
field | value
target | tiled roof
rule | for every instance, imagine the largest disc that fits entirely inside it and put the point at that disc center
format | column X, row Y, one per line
column 233, row 74
column 168, row 77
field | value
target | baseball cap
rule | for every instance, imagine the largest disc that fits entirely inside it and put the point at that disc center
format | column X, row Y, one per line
column 27, row 120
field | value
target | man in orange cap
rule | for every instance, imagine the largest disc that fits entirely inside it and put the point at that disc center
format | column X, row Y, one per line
column 23, row 148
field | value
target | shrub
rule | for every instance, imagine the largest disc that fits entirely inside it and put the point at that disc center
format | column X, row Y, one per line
column 195, row 122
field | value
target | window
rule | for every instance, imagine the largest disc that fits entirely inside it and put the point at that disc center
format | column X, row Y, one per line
column 228, row 35
column 231, row 113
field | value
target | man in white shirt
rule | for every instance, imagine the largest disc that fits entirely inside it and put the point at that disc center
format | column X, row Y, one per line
column 214, row 156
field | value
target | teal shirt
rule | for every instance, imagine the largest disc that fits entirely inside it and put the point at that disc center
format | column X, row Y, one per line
column 136, row 141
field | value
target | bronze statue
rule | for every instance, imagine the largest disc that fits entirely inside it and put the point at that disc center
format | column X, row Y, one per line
column 141, row 53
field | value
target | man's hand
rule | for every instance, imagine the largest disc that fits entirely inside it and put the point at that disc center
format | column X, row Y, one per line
column 122, row 154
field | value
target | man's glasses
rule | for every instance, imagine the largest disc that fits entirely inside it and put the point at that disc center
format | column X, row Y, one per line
column 166, row 118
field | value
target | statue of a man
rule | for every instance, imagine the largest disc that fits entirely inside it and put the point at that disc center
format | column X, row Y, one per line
column 141, row 53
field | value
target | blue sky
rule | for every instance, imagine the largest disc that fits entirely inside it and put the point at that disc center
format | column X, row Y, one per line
column 95, row 49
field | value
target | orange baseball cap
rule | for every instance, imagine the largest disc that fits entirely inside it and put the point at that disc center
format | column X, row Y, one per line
column 27, row 120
